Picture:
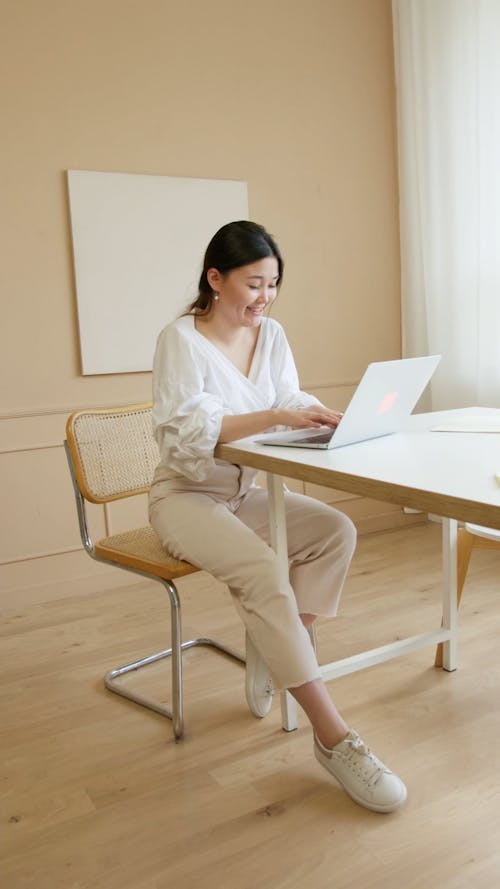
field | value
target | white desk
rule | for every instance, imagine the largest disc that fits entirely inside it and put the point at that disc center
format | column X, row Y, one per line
column 450, row 474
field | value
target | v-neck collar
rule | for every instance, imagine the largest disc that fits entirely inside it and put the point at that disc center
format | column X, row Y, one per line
column 220, row 354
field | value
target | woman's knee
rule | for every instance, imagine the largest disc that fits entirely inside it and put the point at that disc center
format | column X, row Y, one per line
column 346, row 529
column 336, row 529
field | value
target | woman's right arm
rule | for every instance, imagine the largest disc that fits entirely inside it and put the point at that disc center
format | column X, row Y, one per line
column 237, row 426
column 186, row 418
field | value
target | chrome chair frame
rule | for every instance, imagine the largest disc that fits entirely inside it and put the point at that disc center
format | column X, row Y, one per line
column 112, row 678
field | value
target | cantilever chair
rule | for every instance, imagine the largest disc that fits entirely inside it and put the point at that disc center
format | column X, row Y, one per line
column 112, row 455
column 469, row 537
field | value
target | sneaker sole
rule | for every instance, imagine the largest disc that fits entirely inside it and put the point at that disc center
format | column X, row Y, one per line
column 259, row 705
column 259, row 712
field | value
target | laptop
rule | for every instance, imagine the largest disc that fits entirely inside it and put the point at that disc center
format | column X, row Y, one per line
column 384, row 398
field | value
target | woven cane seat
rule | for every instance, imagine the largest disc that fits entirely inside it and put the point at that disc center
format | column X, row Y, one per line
column 141, row 548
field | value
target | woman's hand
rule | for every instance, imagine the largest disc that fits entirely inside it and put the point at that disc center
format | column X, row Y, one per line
column 309, row 417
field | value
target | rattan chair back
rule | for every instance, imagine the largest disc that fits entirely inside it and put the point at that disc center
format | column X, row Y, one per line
column 113, row 451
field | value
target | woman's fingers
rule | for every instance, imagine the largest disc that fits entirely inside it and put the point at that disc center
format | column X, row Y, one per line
column 313, row 417
column 328, row 417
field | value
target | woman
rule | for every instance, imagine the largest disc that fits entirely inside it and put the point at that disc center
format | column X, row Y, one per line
column 224, row 371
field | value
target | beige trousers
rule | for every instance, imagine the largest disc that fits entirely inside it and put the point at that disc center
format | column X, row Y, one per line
column 222, row 526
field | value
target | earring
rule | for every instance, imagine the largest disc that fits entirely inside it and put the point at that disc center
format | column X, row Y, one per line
column 216, row 297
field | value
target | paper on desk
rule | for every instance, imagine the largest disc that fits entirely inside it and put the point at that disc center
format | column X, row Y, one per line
column 470, row 424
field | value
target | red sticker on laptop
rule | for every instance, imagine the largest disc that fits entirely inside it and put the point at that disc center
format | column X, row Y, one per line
column 387, row 402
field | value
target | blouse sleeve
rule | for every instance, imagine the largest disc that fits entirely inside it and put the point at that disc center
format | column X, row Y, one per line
column 186, row 419
column 288, row 392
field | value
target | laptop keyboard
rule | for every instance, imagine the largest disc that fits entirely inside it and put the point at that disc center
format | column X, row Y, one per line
column 320, row 438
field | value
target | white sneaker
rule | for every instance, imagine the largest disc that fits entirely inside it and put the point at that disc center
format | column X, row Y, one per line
column 258, row 683
column 363, row 776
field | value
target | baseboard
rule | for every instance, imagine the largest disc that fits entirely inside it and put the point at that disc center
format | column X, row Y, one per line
column 98, row 581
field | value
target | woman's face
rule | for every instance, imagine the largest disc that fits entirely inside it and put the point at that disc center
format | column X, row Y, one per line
column 246, row 292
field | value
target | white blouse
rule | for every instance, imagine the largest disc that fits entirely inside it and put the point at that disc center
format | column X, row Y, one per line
column 195, row 385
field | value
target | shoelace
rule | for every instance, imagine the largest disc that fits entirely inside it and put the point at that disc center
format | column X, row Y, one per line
column 358, row 746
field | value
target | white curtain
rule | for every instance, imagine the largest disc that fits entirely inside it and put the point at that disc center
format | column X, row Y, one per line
column 447, row 59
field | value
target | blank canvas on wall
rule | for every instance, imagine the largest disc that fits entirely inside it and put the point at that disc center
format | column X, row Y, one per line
column 138, row 245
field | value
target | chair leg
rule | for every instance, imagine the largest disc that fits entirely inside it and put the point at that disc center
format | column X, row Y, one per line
column 465, row 544
column 176, row 636
column 176, row 711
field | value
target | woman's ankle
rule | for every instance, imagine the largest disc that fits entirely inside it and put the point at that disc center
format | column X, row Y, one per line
column 330, row 739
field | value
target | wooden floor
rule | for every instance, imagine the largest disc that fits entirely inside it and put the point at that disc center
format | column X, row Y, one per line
column 96, row 795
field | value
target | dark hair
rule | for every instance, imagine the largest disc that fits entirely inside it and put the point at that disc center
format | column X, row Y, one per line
column 234, row 245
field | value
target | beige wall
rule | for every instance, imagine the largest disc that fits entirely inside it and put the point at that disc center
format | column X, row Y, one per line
column 295, row 98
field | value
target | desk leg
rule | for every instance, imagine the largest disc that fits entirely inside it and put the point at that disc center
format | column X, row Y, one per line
column 450, row 619
column 280, row 545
